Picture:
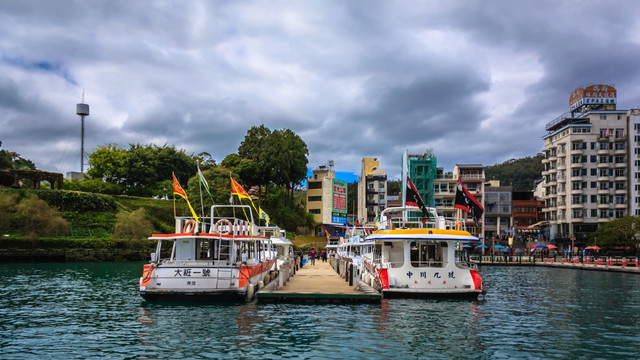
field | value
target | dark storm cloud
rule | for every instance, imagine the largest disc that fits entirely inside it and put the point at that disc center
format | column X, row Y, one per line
column 475, row 82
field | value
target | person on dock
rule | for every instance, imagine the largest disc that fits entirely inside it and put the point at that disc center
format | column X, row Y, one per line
column 312, row 255
column 323, row 255
column 301, row 257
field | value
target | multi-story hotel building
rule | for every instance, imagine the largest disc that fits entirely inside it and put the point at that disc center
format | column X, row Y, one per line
column 372, row 191
column 444, row 192
column 327, row 201
column 586, row 165
column 633, row 119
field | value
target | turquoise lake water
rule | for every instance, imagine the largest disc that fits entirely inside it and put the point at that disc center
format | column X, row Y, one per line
column 93, row 310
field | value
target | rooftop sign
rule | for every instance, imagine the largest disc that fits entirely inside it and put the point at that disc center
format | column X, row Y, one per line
column 593, row 95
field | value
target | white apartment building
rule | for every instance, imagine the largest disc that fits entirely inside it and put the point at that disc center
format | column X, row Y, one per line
column 633, row 119
column 586, row 167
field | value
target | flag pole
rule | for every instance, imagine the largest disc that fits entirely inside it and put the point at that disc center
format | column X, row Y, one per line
column 200, row 188
column 405, row 175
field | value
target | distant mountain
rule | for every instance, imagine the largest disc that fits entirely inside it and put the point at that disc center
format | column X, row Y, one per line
column 519, row 173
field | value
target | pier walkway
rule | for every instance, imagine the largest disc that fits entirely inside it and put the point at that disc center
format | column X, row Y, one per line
column 317, row 283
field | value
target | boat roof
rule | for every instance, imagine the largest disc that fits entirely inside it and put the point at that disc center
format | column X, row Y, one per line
column 423, row 234
column 281, row 241
column 207, row 236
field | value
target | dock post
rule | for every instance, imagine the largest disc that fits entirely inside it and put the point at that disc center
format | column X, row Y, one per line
column 350, row 274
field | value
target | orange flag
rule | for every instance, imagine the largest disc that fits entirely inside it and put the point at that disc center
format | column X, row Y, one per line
column 237, row 190
column 178, row 190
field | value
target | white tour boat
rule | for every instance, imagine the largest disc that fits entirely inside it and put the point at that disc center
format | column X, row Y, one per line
column 352, row 248
column 221, row 258
column 420, row 259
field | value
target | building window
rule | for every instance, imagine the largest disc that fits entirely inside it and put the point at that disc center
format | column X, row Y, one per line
column 314, row 185
column 314, row 211
column 315, row 198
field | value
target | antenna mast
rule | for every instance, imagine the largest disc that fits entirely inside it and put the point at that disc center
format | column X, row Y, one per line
column 82, row 109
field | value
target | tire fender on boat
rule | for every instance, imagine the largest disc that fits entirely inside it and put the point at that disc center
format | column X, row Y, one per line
column 219, row 224
column 189, row 226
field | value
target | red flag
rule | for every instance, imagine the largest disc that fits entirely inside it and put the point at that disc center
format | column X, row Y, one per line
column 178, row 190
column 412, row 198
column 466, row 202
column 237, row 190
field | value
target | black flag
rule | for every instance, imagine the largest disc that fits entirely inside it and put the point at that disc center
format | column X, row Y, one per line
column 412, row 198
column 465, row 201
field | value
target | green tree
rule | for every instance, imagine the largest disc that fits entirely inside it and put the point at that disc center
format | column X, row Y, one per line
column 109, row 163
column 287, row 158
column 12, row 160
column 142, row 169
column 619, row 232
column 246, row 169
column 253, row 148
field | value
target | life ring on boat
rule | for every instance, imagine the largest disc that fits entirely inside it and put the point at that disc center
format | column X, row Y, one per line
column 221, row 222
column 189, row 226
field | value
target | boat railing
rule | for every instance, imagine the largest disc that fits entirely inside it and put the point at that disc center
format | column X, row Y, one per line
column 410, row 217
column 417, row 223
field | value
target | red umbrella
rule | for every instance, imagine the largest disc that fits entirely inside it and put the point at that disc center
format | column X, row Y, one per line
column 594, row 247
column 552, row 246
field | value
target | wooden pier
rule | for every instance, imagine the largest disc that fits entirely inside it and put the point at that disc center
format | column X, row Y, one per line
column 319, row 283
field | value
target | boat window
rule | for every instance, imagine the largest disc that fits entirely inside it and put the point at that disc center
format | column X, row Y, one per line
column 395, row 254
column 425, row 254
column 205, row 249
column 211, row 249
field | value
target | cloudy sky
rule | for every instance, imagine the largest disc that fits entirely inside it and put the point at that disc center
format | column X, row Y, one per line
column 475, row 81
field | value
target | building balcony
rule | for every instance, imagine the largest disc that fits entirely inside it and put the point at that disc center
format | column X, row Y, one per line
column 603, row 152
column 576, row 192
column 562, row 166
column 620, row 152
column 620, row 178
column 603, row 191
column 546, row 160
column 621, row 206
column 603, row 206
column 577, row 205
column 620, row 191
column 576, row 152
column 545, row 172
column 604, row 220
column 620, row 165
column 602, row 165
column 602, row 178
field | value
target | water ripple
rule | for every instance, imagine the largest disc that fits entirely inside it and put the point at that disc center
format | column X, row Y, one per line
column 64, row 311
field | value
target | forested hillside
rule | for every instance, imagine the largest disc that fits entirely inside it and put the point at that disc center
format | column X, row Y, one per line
column 519, row 173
